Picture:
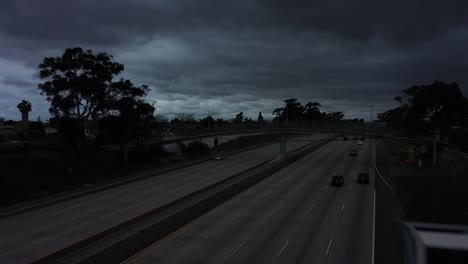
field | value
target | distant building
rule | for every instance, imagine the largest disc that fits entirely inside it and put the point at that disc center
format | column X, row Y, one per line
column 50, row 131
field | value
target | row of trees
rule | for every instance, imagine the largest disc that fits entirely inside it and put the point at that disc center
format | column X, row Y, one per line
column 432, row 111
column 83, row 89
column 294, row 110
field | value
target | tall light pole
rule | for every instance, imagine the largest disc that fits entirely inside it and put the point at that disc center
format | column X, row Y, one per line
column 371, row 113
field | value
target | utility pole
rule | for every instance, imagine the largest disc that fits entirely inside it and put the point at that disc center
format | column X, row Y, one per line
column 371, row 113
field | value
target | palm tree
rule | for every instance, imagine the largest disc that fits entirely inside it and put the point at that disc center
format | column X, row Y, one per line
column 25, row 107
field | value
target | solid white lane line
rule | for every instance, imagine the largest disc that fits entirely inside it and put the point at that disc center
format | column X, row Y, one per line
column 310, row 209
column 378, row 172
column 373, row 233
column 232, row 219
column 330, row 243
column 285, row 245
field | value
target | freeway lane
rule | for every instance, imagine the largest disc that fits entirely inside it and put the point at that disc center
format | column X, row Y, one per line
column 34, row 234
column 294, row 216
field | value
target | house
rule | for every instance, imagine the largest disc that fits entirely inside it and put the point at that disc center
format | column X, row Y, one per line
column 50, row 131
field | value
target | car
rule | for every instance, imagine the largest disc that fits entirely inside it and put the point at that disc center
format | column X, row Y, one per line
column 219, row 157
column 353, row 152
column 363, row 138
column 363, row 177
column 337, row 180
column 355, row 138
column 345, row 138
column 360, row 143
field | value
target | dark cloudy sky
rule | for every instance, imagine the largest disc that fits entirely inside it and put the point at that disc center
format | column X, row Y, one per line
column 242, row 55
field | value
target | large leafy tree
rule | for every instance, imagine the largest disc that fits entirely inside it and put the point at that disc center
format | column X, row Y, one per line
column 293, row 110
column 430, row 109
column 312, row 111
column 128, row 113
column 78, row 84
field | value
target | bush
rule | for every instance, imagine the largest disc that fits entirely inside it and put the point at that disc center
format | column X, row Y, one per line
column 147, row 153
column 195, row 148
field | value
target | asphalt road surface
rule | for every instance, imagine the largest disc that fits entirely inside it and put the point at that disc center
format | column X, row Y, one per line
column 34, row 234
column 294, row 216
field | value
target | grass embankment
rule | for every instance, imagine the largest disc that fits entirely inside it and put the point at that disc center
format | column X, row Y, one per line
column 432, row 193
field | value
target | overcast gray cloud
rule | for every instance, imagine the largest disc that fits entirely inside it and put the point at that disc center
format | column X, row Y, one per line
column 230, row 56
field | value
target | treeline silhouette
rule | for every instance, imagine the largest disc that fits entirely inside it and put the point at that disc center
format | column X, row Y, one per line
column 436, row 111
column 104, row 124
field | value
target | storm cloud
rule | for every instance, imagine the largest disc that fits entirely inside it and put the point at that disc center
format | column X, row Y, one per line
column 225, row 57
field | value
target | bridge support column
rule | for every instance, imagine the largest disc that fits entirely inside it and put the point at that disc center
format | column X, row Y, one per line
column 411, row 152
column 179, row 148
column 282, row 144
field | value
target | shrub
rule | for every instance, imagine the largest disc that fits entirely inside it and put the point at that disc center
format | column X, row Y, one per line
column 196, row 148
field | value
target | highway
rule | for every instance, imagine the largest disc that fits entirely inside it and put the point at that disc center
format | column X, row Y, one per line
column 31, row 235
column 294, row 216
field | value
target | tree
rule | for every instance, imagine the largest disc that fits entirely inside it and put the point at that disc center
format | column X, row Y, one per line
column 25, row 107
column 9, row 123
column 260, row 118
column 161, row 119
column 196, row 148
column 78, row 83
column 293, row 110
column 432, row 109
column 335, row 116
column 2, row 120
column 207, row 121
column 312, row 110
column 221, row 122
column 130, row 112
column 239, row 118
column 80, row 86
column 184, row 118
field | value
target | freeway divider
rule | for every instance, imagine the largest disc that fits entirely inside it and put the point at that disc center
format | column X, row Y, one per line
column 124, row 240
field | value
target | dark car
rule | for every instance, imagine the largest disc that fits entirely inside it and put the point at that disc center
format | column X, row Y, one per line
column 345, row 138
column 363, row 177
column 337, row 180
column 355, row 138
column 353, row 152
column 363, row 138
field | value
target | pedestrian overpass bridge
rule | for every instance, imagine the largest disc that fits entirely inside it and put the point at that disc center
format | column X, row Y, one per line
column 283, row 132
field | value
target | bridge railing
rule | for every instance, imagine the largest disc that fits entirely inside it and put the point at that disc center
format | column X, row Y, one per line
column 304, row 124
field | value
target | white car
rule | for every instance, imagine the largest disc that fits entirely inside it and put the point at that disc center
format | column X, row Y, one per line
column 219, row 157
column 360, row 143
